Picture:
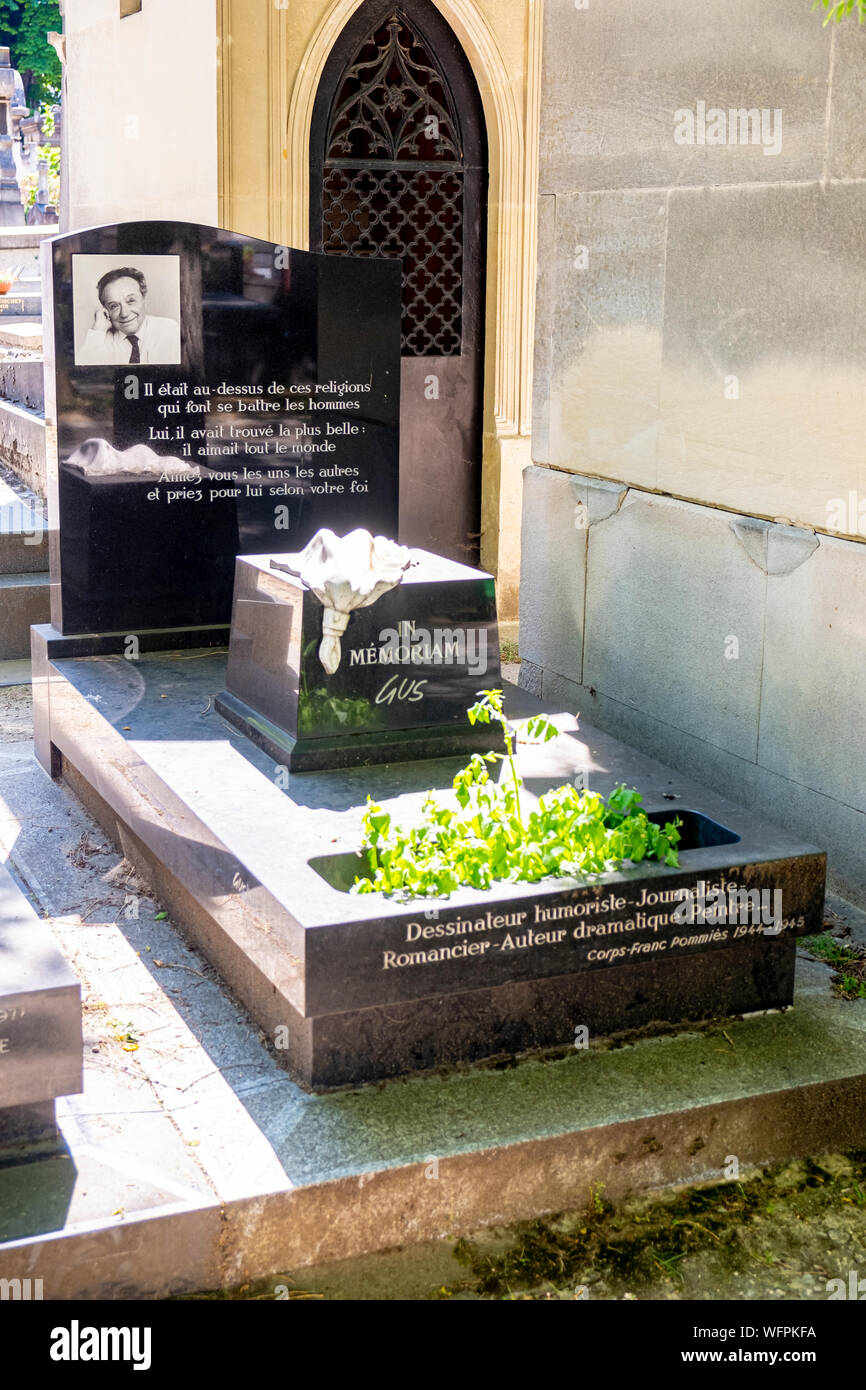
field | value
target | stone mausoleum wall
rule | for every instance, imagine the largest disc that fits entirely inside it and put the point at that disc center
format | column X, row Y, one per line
column 694, row 526
column 141, row 106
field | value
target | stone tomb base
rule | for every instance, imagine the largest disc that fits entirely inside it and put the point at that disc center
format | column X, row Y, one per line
column 315, row 755
column 356, row 988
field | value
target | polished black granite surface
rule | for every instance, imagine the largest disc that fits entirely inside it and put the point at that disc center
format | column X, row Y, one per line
column 410, row 666
column 364, row 986
column 277, row 414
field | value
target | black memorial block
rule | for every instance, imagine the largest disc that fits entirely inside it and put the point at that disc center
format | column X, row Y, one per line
column 410, row 666
column 215, row 395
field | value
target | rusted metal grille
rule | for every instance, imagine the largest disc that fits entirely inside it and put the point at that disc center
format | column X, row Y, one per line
column 393, row 180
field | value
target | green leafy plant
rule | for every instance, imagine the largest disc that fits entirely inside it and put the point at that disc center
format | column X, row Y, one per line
column 24, row 25
column 489, row 837
column 838, row 9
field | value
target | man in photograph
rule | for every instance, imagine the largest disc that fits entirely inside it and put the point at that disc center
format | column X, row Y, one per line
column 123, row 332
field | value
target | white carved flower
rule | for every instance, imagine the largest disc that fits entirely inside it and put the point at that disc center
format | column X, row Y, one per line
column 345, row 573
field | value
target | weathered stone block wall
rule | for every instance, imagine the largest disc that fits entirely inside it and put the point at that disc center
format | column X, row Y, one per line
column 141, row 120
column 694, row 537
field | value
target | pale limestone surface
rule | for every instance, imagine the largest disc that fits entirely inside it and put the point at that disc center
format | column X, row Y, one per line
column 553, row 571
column 813, row 705
column 730, row 647
column 763, row 382
column 846, row 156
column 616, row 72
column 709, row 343
column 661, row 616
column 607, row 345
column 545, row 319
column 709, row 340
column 137, row 148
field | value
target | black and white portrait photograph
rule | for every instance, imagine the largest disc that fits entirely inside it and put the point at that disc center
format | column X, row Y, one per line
column 126, row 310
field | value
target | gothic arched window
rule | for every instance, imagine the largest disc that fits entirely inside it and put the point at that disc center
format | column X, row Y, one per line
column 398, row 167
column 393, row 178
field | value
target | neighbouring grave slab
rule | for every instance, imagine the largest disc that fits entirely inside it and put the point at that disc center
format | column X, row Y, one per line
column 408, row 665
column 40, row 1025
column 214, row 395
column 257, row 864
column 21, row 303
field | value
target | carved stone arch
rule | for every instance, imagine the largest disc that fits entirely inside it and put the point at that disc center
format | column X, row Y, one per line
column 511, row 232
column 398, row 162
column 269, row 193
column 398, row 168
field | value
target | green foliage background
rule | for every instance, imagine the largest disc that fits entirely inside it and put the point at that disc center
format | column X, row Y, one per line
column 838, row 9
column 23, row 26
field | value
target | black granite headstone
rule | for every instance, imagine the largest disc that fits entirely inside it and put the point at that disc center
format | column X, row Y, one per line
column 410, row 665
column 216, row 395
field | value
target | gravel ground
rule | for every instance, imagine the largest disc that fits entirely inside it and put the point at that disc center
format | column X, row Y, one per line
column 16, row 714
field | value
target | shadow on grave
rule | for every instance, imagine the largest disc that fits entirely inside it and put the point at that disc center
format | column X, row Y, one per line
column 35, row 1192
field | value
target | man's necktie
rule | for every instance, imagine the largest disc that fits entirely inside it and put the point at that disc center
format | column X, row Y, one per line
column 135, row 355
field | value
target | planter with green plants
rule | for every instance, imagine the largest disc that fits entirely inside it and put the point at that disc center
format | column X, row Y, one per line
column 491, row 837
column 488, row 920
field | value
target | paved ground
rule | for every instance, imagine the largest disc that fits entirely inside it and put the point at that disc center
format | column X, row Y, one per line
column 185, row 1100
